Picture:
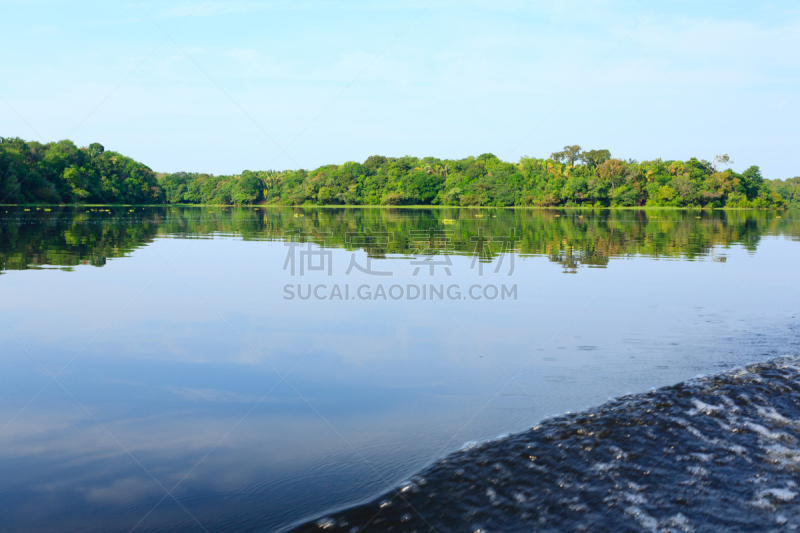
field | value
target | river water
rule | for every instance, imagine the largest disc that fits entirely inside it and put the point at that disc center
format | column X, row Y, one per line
column 240, row 369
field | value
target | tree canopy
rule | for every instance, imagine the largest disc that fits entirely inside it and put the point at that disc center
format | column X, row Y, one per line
column 60, row 172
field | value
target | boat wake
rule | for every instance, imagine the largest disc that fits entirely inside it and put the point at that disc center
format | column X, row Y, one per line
column 713, row 453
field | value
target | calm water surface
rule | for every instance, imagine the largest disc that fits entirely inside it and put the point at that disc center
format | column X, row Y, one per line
column 156, row 373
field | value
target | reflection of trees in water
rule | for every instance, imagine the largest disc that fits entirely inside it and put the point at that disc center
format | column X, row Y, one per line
column 571, row 260
column 69, row 236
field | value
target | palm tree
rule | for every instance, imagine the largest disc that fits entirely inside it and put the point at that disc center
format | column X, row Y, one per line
column 270, row 179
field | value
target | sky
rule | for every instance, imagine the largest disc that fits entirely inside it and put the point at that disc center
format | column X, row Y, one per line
column 225, row 86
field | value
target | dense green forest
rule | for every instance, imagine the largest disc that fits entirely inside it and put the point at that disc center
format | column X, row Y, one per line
column 31, row 172
column 60, row 172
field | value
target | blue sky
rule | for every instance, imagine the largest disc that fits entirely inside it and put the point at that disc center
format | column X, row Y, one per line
column 284, row 84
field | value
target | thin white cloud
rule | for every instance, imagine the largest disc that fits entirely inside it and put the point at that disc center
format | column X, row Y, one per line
column 213, row 395
column 212, row 8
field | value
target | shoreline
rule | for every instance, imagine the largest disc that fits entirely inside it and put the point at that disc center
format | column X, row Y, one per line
column 412, row 207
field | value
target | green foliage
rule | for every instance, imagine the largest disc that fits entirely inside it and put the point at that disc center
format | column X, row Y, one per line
column 569, row 155
column 62, row 173
column 593, row 158
column 788, row 190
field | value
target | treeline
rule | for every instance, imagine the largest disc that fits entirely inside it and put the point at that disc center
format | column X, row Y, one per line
column 62, row 173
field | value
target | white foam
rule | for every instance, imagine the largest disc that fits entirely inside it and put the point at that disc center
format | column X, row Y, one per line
column 697, row 433
column 732, row 407
column 737, row 449
column 619, row 453
column 782, row 495
column 783, row 455
column 407, row 486
column 679, row 520
column 774, row 415
column 325, row 523
column 766, row 433
column 766, row 499
column 636, row 499
column 636, row 487
column 603, row 467
column 698, row 471
column 641, row 516
column 762, row 504
column 705, row 408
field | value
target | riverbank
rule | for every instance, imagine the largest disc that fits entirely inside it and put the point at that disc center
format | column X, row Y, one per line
column 417, row 207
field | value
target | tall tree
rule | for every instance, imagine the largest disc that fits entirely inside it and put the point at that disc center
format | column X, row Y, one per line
column 722, row 160
column 569, row 155
column 595, row 158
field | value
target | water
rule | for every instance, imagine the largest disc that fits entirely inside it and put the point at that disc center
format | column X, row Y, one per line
column 713, row 454
column 154, row 376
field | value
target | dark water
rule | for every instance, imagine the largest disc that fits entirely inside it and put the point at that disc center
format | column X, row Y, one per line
column 155, row 375
column 713, row 454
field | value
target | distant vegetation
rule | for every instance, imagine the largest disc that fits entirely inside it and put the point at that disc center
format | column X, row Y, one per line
column 31, row 172
column 60, row 172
